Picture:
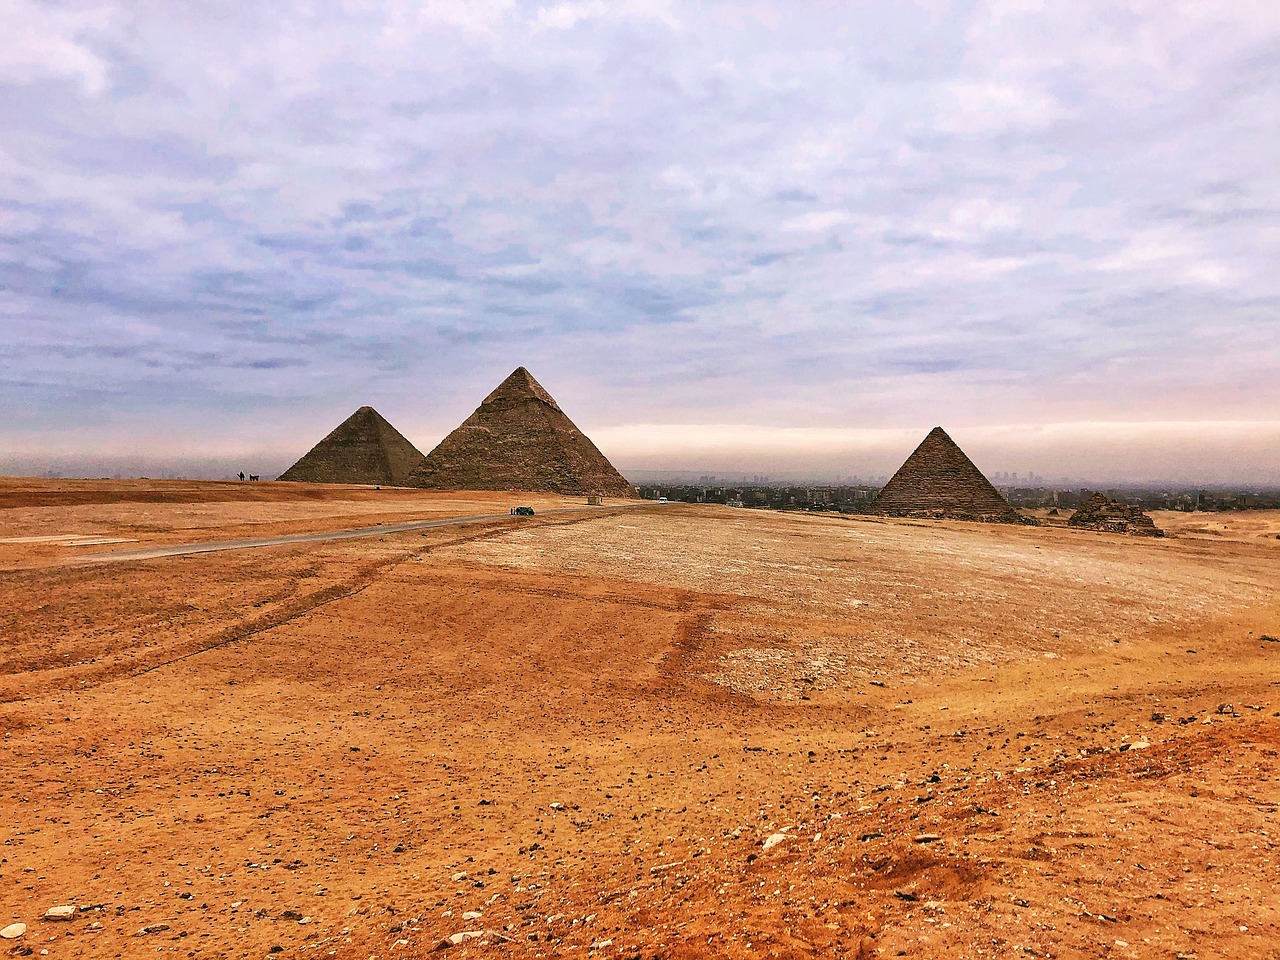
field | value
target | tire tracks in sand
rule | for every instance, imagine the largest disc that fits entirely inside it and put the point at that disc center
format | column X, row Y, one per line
column 130, row 664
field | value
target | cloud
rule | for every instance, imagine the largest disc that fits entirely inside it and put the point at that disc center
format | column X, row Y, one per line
column 877, row 215
column 44, row 40
column 818, row 221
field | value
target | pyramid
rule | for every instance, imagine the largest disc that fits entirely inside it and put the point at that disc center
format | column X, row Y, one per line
column 520, row 439
column 1100, row 512
column 939, row 481
column 364, row 448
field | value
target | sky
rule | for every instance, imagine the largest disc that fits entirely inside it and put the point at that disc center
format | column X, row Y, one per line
column 773, row 237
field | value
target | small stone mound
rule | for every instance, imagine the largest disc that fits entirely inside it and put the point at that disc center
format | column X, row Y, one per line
column 1100, row 512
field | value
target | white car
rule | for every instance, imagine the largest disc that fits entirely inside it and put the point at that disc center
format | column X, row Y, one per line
column 662, row 500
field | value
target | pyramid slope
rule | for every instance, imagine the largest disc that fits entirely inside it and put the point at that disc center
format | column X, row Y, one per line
column 364, row 448
column 520, row 439
column 939, row 481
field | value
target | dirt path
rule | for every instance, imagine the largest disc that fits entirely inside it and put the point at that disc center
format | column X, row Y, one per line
column 381, row 530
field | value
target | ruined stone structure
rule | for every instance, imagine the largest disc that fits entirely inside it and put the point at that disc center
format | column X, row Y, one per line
column 520, row 439
column 364, row 448
column 1100, row 512
column 938, row 481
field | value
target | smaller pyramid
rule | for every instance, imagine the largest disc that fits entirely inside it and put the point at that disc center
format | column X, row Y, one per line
column 939, row 482
column 520, row 439
column 364, row 448
column 1100, row 512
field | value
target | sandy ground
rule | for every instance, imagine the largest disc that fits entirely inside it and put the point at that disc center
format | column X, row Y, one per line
column 49, row 520
column 670, row 732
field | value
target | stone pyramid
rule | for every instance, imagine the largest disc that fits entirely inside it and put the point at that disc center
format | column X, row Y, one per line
column 364, row 448
column 939, row 481
column 1100, row 512
column 520, row 439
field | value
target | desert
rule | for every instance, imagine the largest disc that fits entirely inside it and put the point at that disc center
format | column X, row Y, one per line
column 641, row 480
column 629, row 730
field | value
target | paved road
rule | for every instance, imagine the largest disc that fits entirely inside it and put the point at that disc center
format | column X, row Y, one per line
column 214, row 546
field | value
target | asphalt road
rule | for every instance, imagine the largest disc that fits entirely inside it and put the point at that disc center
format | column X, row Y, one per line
column 216, row 546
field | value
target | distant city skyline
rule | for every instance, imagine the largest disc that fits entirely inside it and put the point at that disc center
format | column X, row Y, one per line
column 1204, row 454
column 773, row 237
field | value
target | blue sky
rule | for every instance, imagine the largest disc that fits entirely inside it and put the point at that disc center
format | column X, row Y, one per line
column 816, row 228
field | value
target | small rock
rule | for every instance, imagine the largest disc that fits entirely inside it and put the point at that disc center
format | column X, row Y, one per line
column 602, row 944
column 472, row 915
column 65, row 912
column 454, row 939
column 557, row 806
column 1139, row 745
column 459, row 876
column 772, row 841
column 926, row 838
column 13, row 931
column 873, row 835
column 152, row 928
column 908, row 895
column 661, row 867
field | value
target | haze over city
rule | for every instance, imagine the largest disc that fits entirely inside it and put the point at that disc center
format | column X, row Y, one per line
column 761, row 238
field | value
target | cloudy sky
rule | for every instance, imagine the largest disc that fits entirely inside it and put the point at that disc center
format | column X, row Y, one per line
column 754, row 234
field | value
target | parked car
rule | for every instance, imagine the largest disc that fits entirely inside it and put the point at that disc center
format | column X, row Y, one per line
column 662, row 499
column 522, row 511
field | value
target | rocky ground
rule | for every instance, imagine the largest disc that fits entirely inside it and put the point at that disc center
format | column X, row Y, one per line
column 664, row 732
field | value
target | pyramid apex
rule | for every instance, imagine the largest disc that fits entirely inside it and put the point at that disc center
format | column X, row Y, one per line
column 520, row 385
column 362, row 415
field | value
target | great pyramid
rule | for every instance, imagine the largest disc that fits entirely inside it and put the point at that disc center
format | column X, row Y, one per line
column 939, row 481
column 1100, row 512
column 520, row 439
column 364, row 448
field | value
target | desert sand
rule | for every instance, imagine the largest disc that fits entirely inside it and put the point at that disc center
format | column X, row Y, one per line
column 655, row 731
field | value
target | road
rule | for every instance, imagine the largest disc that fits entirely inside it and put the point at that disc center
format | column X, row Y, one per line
column 382, row 530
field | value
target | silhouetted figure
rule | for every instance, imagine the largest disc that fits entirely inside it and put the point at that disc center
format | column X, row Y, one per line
column 241, row 474
column 254, row 476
